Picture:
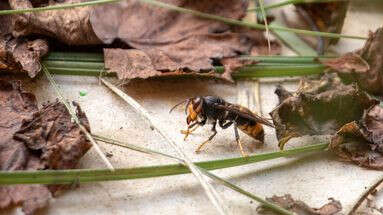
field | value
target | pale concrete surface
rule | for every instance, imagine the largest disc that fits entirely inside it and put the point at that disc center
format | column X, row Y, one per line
column 311, row 178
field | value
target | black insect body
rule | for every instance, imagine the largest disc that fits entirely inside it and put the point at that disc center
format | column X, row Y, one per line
column 217, row 110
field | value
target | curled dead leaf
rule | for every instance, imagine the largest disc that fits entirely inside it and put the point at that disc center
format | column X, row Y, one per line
column 348, row 64
column 318, row 16
column 51, row 131
column 362, row 141
column 327, row 17
column 364, row 66
column 300, row 207
column 72, row 26
column 168, row 41
column 164, row 42
column 22, row 55
column 17, row 105
column 318, row 107
column 35, row 139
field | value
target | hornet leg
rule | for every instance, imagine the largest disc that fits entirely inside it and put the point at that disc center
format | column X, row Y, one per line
column 238, row 140
column 190, row 129
column 210, row 138
column 224, row 125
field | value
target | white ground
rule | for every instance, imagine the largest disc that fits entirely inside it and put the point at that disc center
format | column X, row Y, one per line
column 311, row 178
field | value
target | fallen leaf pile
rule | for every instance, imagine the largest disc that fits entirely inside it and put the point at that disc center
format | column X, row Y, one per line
column 362, row 141
column 161, row 41
column 329, row 107
column 170, row 43
column 34, row 139
column 339, row 105
column 318, row 107
column 364, row 66
column 301, row 208
column 20, row 55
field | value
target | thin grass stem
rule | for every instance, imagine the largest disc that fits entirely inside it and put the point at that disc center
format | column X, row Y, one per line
column 222, row 181
column 75, row 118
column 289, row 2
column 93, row 175
column 209, row 189
column 188, row 11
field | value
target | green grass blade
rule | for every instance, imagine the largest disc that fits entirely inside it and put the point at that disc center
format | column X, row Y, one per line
column 261, row 3
column 287, row 59
column 74, row 117
column 74, row 56
column 98, row 57
column 264, row 202
column 57, row 7
column 288, row 2
column 188, row 11
column 90, row 64
column 293, row 41
column 260, row 71
column 248, row 24
column 210, row 191
column 93, row 175
column 74, row 64
column 276, row 5
column 214, row 177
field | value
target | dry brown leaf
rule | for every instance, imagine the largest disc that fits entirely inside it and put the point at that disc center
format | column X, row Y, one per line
column 362, row 141
column 69, row 26
column 318, row 107
column 172, row 41
column 167, row 42
column 133, row 63
column 327, row 17
column 17, row 105
column 5, row 21
column 60, row 143
column 129, row 63
column 364, row 66
column 323, row 17
column 21, row 55
column 51, row 131
column 232, row 64
column 300, row 207
column 348, row 64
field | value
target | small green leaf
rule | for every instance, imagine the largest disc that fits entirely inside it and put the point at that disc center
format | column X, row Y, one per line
column 83, row 93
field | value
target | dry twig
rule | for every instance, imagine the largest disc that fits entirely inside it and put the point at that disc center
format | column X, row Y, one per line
column 369, row 194
column 210, row 191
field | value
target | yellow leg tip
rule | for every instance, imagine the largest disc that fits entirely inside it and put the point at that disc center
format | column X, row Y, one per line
column 186, row 134
column 241, row 148
column 200, row 146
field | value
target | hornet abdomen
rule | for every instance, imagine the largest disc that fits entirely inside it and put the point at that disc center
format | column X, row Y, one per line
column 250, row 127
column 255, row 131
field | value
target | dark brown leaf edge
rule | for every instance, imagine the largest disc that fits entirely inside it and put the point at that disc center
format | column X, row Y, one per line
column 35, row 139
column 364, row 66
column 300, row 207
column 318, row 107
column 361, row 141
